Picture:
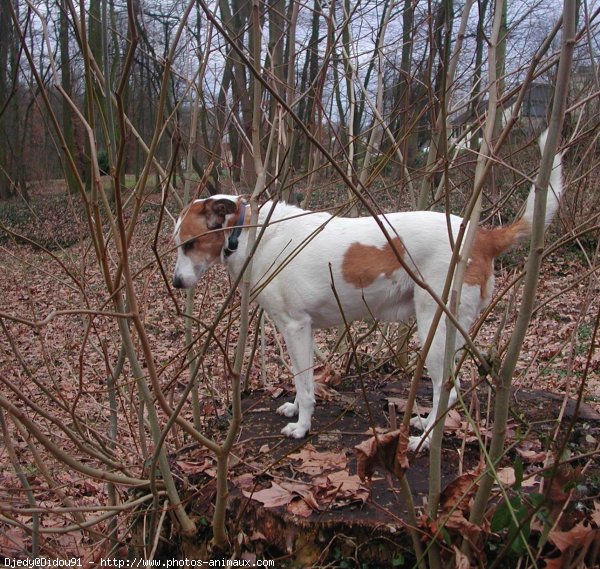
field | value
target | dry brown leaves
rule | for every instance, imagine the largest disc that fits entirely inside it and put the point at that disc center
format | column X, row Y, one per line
column 389, row 450
column 72, row 367
column 579, row 547
column 325, row 380
column 330, row 485
column 313, row 462
column 455, row 504
column 561, row 484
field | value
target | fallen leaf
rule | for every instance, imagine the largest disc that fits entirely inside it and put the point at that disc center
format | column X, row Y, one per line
column 194, row 467
column 324, row 374
column 324, row 379
column 457, row 521
column 560, row 487
column 401, row 463
column 300, row 508
column 277, row 392
column 532, row 455
column 453, row 421
column 313, row 462
column 554, row 563
column 581, row 541
column 388, row 450
column 458, row 493
column 506, row 476
column 271, row 497
column 245, row 480
column 347, row 486
column 576, row 536
column 12, row 540
column 324, row 392
column 596, row 513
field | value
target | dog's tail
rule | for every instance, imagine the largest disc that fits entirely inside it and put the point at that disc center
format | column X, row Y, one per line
column 555, row 188
column 510, row 235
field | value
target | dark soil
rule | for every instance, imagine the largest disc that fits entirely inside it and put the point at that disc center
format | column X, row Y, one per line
column 371, row 534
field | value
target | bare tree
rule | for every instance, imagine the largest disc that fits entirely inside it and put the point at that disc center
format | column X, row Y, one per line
column 115, row 383
column 11, row 167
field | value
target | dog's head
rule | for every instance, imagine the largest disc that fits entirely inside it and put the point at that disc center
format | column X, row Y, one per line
column 200, row 236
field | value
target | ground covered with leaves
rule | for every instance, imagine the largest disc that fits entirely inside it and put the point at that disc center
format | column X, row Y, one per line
column 328, row 500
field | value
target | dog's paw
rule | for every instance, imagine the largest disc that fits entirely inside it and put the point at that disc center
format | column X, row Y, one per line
column 295, row 430
column 288, row 410
column 418, row 443
column 418, row 422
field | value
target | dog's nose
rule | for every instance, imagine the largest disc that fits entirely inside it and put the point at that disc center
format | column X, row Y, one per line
column 177, row 282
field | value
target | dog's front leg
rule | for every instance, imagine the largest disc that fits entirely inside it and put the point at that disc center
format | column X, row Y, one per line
column 299, row 341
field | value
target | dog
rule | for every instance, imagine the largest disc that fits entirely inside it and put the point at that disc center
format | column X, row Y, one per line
column 314, row 270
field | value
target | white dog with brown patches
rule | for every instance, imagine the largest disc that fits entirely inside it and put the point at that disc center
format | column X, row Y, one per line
column 305, row 260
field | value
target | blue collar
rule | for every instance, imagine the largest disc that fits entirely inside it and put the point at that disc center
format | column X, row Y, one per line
column 232, row 242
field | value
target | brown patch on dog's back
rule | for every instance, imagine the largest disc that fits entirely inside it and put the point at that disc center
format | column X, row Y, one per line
column 488, row 244
column 362, row 264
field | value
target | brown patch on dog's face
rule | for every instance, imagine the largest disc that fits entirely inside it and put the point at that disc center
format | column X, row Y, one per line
column 196, row 232
column 198, row 238
column 362, row 264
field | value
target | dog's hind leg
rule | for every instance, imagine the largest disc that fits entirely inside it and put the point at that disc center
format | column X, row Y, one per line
column 298, row 337
column 425, row 310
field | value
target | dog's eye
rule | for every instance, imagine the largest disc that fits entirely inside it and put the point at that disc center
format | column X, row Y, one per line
column 187, row 246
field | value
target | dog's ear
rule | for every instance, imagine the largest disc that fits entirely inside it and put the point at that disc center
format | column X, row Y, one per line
column 217, row 210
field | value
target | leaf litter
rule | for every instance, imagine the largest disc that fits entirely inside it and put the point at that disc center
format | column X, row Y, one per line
column 73, row 368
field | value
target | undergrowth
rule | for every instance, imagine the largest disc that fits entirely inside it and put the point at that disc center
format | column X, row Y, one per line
column 51, row 222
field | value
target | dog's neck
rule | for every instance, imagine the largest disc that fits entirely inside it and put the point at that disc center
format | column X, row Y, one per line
column 233, row 239
column 269, row 212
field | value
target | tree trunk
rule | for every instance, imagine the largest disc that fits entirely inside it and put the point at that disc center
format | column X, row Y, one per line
column 309, row 75
column 6, row 100
column 501, row 68
column 401, row 127
column 275, row 63
column 65, row 81
column 480, row 39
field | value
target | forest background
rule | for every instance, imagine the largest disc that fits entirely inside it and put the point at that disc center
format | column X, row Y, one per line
column 123, row 428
